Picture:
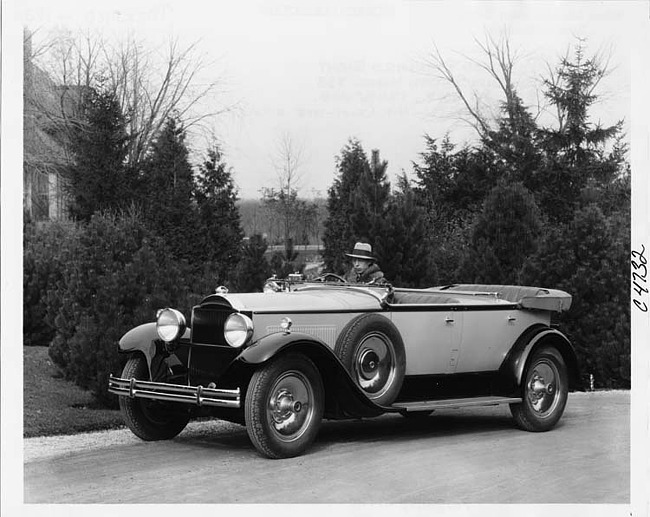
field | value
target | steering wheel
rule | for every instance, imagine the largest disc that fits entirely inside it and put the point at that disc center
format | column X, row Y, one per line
column 330, row 277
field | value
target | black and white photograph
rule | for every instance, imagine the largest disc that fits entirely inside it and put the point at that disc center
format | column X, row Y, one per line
column 364, row 256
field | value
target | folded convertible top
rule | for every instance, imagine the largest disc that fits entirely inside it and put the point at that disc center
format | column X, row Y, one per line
column 525, row 296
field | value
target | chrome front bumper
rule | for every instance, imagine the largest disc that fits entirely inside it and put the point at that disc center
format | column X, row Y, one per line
column 197, row 395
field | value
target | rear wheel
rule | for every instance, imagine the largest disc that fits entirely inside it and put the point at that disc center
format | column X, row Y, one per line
column 150, row 419
column 284, row 406
column 545, row 390
column 372, row 350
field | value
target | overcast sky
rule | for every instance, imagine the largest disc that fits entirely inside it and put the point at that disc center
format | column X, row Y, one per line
column 322, row 72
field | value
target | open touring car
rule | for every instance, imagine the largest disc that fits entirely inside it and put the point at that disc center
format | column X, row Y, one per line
column 279, row 362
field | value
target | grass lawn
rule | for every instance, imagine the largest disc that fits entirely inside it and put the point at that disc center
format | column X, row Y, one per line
column 53, row 405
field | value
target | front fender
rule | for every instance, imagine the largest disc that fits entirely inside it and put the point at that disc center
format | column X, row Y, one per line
column 515, row 363
column 344, row 398
column 269, row 346
column 143, row 339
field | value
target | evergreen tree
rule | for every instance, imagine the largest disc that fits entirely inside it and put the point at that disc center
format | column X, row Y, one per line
column 405, row 245
column 218, row 233
column 339, row 234
column 356, row 204
column 369, row 201
column 576, row 157
column 167, row 185
column 98, row 179
column 451, row 183
column 515, row 155
column 505, row 234
column 253, row 269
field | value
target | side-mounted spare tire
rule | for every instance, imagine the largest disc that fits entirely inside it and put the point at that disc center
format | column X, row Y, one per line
column 372, row 351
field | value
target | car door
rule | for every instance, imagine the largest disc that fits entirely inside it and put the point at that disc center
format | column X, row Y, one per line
column 432, row 336
column 487, row 336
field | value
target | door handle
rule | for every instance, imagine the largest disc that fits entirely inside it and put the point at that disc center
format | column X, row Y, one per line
column 449, row 319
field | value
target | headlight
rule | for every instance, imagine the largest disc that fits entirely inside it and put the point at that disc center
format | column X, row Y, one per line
column 238, row 329
column 170, row 324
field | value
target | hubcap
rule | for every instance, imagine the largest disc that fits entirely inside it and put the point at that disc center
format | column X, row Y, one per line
column 368, row 364
column 290, row 408
column 542, row 390
column 374, row 365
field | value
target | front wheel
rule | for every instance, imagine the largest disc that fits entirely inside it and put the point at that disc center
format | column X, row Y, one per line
column 150, row 419
column 284, row 406
column 545, row 390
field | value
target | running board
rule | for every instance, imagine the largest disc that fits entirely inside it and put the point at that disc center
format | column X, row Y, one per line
column 430, row 405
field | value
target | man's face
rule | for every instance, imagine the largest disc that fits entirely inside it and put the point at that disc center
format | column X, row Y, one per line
column 360, row 265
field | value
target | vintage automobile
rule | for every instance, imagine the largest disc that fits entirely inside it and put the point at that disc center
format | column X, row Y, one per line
column 282, row 360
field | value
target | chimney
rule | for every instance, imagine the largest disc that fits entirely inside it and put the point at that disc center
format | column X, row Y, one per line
column 27, row 59
column 375, row 159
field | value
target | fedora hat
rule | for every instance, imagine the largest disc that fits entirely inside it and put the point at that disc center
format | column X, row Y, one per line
column 362, row 250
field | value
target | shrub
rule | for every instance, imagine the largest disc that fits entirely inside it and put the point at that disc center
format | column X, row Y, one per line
column 46, row 248
column 118, row 276
column 588, row 258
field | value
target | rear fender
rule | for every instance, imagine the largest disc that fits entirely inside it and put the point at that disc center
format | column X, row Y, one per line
column 535, row 337
column 343, row 396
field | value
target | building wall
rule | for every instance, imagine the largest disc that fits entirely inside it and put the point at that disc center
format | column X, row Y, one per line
column 44, row 154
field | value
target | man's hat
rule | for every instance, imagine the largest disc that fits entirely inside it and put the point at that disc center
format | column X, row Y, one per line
column 362, row 250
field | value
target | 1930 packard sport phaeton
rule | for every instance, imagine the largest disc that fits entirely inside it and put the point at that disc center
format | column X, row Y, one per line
column 281, row 361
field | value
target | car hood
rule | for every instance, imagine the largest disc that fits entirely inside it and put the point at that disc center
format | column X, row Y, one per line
column 325, row 299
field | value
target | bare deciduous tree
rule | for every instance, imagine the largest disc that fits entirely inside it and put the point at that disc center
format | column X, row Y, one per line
column 294, row 217
column 499, row 61
column 287, row 162
column 150, row 86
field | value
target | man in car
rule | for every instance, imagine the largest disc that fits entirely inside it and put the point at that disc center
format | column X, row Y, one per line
column 365, row 269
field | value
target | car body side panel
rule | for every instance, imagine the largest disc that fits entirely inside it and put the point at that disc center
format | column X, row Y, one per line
column 432, row 339
column 488, row 335
column 324, row 326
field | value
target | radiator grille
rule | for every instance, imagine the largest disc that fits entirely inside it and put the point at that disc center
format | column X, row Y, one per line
column 207, row 325
column 207, row 363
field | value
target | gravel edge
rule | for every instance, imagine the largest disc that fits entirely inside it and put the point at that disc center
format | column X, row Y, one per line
column 49, row 446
